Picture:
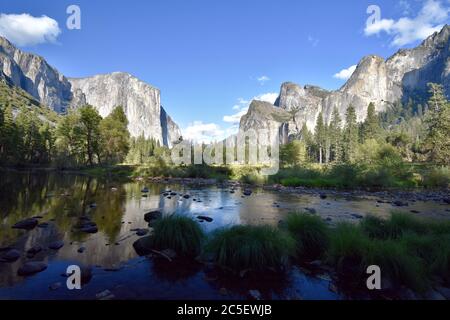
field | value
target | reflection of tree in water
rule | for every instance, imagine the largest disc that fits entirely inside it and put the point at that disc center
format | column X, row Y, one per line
column 268, row 283
column 175, row 271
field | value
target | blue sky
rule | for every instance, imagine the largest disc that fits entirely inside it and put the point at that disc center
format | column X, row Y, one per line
column 209, row 58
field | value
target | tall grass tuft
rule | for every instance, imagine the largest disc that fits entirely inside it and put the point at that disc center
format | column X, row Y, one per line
column 251, row 248
column 179, row 233
column 310, row 233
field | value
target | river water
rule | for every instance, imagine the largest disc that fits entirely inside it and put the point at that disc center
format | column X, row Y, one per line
column 119, row 208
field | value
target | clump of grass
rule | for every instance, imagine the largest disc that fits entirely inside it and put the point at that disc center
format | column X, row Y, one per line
column 375, row 227
column 347, row 252
column 251, row 248
column 310, row 233
column 397, row 264
column 179, row 233
column 403, row 223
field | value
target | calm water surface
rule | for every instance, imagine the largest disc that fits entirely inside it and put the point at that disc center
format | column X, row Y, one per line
column 117, row 208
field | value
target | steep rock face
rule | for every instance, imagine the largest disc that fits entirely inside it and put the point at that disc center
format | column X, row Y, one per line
column 262, row 115
column 404, row 75
column 141, row 103
column 43, row 82
column 34, row 75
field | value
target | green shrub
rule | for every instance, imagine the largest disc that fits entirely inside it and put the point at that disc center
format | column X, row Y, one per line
column 310, row 233
column 403, row 223
column 437, row 178
column 251, row 247
column 178, row 233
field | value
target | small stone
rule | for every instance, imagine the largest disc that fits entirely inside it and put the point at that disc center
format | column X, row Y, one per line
column 323, row 196
column 104, row 295
column 254, row 294
column 247, row 192
column 145, row 190
column 141, row 232
column 31, row 268
column 89, row 229
column 56, row 245
column 204, row 218
column 81, row 250
column 357, row 216
column 27, row 224
column 11, row 256
column 186, row 196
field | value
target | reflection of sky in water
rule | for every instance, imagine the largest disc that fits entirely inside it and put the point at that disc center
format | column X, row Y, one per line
column 63, row 199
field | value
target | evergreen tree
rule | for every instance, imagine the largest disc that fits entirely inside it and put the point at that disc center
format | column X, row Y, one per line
column 350, row 141
column 320, row 137
column 335, row 133
column 437, row 140
column 371, row 127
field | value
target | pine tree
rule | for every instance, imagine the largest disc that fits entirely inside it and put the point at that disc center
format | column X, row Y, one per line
column 437, row 140
column 335, row 133
column 371, row 127
column 351, row 134
column 320, row 136
column 115, row 136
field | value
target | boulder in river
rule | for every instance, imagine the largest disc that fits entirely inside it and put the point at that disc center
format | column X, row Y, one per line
column 31, row 268
column 26, row 224
column 247, row 192
column 323, row 196
column 186, row 196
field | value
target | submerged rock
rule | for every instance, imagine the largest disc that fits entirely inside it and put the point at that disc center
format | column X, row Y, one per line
column 26, row 224
column 152, row 215
column 143, row 246
column 31, row 268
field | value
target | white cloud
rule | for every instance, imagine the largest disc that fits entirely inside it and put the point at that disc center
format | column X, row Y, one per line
column 345, row 74
column 235, row 118
column 208, row 132
column 263, row 79
column 26, row 30
column 243, row 104
column 431, row 18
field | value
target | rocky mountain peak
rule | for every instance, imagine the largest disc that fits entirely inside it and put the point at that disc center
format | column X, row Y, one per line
column 140, row 100
column 402, row 76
